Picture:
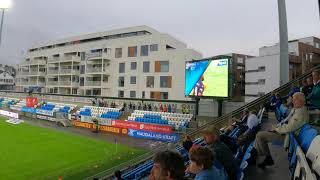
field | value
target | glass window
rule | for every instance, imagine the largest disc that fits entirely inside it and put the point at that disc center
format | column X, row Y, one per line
column 118, row 53
column 144, row 50
column 132, row 94
column 164, row 95
column 161, row 66
column 121, row 81
column 133, row 65
column 122, row 68
column 133, row 80
column 165, row 81
column 143, row 94
column 83, row 56
column 120, row 93
column 146, row 66
column 132, row 51
column 150, row 81
column 164, row 66
column 154, row 47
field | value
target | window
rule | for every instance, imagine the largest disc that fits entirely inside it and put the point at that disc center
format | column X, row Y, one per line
column 150, row 81
column 165, row 81
column 120, row 93
column 121, row 81
column 154, row 47
column 74, row 91
column 133, row 65
column 122, row 68
column 164, row 95
column 132, row 51
column 261, row 81
column 143, row 94
column 82, row 69
column 118, row 53
column 133, row 80
column 83, row 56
column 146, row 66
column 144, row 50
column 132, row 94
column 262, row 68
column 161, row 66
column 240, row 59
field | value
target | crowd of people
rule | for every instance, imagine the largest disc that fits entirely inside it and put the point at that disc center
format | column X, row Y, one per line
column 131, row 106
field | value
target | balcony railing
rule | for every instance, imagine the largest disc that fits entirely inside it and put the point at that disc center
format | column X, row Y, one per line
column 69, row 71
column 54, row 59
column 53, row 83
column 71, row 58
column 36, row 73
column 93, row 83
column 55, row 71
column 94, row 70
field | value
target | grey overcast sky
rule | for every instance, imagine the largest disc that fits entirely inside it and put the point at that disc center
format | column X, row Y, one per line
column 209, row 26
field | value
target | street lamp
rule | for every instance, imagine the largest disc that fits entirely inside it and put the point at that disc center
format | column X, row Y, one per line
column 4, row 4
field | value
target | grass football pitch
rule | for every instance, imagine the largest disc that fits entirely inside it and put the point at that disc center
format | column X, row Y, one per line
column 31, row 152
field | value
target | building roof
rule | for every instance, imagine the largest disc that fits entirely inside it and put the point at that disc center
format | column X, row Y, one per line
column 5, row 75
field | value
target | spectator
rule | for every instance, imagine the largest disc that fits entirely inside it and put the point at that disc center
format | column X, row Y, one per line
column 294, row 88
column 294, row 121
column 183, row 109
column 314, row 97
column 117, row 174
column 271, row 105
column 253, row 126
column 168, row 165
column 187, row 110
column 307, row 88
column 201, row 164
column 187, row 143
column 222, row 153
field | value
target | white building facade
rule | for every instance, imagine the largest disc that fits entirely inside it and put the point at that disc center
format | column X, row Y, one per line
column 6, row 81
column 136, row 62
column 263, row 72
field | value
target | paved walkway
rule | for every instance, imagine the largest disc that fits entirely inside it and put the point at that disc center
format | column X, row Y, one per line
column 281, row 168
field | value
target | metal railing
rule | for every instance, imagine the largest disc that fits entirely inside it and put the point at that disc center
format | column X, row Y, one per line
column 219, row 122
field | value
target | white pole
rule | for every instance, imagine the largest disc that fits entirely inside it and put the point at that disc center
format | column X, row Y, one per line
column 1, row 24
column 283, row 38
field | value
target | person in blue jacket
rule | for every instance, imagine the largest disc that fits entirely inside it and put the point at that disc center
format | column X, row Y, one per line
column 201, row 164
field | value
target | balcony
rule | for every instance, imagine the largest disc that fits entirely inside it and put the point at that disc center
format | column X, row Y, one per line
column 23, row 73
column 93, row 83
column 54, row 60
column 69, row 83
column 36, row 73
column 70, row 58
column 53, row 71
column 52, row 83
column 37, row 62
column 69, row 71
column 97, row 69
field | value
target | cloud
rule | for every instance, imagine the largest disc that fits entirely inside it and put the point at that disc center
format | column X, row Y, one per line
column 210, row 26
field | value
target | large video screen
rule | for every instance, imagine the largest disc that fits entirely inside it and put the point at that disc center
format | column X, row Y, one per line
column 207, row 78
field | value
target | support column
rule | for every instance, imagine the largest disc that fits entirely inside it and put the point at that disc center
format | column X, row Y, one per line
column 283, row 38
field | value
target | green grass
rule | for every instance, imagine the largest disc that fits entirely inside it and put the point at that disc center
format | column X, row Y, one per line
column 31, row 152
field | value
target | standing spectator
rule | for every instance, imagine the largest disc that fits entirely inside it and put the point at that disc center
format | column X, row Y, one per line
column 168, row 165
column 117, row 174
column 187, row 110
column 222, row 153
column 169, row 108
column 313, row 98
column 183, row 109
column 187, row 143
column 165, row 109
column 201, row 164
column 161, row 107
column 173, row 108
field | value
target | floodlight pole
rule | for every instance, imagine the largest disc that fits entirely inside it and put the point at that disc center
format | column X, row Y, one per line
column 283, row 40
column 1, row 25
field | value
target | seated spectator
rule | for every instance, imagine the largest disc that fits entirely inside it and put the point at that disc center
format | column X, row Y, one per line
column 187, row 143
column 294, row 121
column 294, row 88
column 168, row 165
column 308, row 88
column 201, row 164
column 249, row 135
column 222, row 153
column 313, row 98
column 117, row 174
column 271, row 105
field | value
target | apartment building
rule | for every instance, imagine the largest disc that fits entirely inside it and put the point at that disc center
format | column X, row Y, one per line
column 136, row 62
column 263, row 72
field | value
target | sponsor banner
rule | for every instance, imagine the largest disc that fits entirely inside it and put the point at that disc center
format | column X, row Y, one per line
column 153, row 135
column 113, row 129
column 106, row 122
column 31, row 101
column 28, row 110
column 101, row 127
column 142, row 126
column 9, row 114
column 44, row 112
column 15, row 108
column 46, row 118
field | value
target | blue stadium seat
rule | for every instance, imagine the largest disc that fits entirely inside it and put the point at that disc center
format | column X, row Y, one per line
column 306, row 138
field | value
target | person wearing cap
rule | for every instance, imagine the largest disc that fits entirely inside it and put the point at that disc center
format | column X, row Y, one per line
column 221, row 151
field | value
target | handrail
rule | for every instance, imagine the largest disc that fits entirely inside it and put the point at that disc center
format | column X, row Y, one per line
column 108, row 174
